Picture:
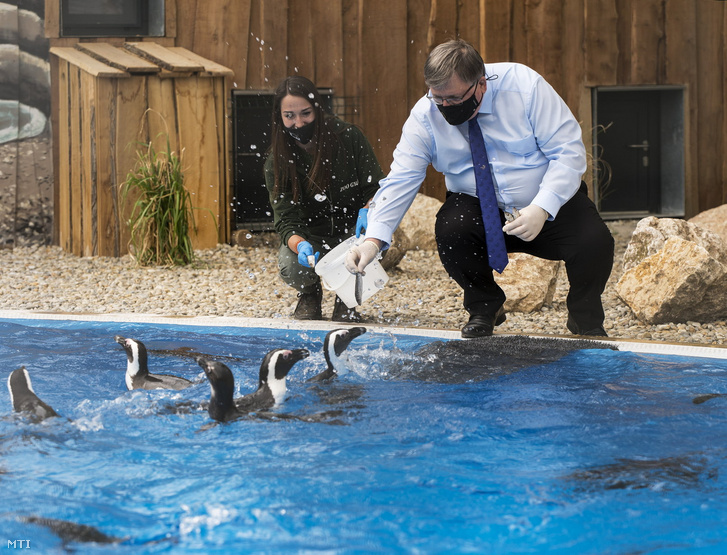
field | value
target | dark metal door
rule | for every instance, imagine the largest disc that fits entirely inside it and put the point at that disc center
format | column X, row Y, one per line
column 628, row 142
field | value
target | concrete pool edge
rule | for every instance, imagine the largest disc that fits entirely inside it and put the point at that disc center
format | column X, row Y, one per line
column 650, row 347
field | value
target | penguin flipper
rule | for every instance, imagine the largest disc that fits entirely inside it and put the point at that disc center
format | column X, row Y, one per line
column 327, row 375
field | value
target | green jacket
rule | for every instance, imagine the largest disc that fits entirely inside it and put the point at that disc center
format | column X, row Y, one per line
column 332, row 219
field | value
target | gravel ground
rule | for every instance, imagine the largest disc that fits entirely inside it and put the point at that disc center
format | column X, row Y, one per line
column 243, row 282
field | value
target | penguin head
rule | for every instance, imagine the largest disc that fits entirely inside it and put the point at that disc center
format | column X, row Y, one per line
column 24, row 399
column 278, row 362
column 135, row 355
column 336, row 342
column 222, row 383
column 18, row 384
column 275, row 367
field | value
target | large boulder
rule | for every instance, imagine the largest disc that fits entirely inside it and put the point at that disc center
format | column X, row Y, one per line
column 652, row 233
column 674, row 271
column 528, row 282
column 418, row 223
column 715, row 220
column 400, row 243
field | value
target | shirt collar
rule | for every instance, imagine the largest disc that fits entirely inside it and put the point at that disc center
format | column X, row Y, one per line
column 486, row 105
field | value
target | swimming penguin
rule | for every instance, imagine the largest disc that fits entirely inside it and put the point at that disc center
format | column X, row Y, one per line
column 137, row 370
column 24, row 399
column 72, row 532
column 334, row 345
column 271, row 387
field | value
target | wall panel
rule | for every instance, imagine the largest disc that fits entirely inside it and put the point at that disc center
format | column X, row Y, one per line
column 372, row 53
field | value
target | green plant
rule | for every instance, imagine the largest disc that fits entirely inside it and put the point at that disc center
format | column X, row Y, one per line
column 162, row 213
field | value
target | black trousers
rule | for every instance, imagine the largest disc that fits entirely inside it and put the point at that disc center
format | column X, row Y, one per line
column 577, row 235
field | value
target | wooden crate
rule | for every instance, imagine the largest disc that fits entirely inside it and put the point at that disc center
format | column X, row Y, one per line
column 111, row 100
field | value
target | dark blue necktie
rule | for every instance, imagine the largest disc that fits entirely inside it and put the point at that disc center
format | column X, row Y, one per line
column 496, row 250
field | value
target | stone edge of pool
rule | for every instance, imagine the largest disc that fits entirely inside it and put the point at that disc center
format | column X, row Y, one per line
column 650, row 347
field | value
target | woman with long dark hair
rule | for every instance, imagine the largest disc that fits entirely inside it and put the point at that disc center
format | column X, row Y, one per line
column 321, row 173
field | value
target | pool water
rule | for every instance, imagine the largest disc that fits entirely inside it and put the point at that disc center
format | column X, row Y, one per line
column 599, row 451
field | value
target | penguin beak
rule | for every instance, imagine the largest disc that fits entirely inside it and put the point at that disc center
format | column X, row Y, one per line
column 355, row 332
column 299, row 354
column 285, row 361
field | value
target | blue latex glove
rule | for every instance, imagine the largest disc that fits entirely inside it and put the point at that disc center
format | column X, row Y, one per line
column 305, row 249
column 362, row 222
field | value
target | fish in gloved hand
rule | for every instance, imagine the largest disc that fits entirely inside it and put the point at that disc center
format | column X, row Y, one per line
column 360, row 256
column 526, row 223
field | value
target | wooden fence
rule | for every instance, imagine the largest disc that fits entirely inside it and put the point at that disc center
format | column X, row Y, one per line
column 371, row 52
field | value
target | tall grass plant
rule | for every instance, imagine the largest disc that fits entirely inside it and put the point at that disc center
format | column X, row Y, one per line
column 162, row 213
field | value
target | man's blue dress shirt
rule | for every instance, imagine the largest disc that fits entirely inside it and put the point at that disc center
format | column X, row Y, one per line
column 533, row 143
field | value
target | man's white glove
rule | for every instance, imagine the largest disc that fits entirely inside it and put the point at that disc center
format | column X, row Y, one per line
column 360, row 256
column 528, row 224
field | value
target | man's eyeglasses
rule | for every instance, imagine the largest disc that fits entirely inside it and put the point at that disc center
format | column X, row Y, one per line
column 451, row 100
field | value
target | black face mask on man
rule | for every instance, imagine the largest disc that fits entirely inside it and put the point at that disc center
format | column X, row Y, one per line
column 460, row 113
column 302, row 134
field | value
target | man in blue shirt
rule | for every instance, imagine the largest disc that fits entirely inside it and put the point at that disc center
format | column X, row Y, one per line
column 536, row 160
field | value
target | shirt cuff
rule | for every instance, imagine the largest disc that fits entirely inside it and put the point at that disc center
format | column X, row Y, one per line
column 382, row 232
column 548, row 201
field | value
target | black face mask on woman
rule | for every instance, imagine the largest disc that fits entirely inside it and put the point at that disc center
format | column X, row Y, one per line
column 302, row 134
column 460, row 113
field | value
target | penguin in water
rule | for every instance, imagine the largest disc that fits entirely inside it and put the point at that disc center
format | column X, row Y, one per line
column 137, row 369
column 334, row 345
column 24, row 399
column 271, row 387
column 72, row 532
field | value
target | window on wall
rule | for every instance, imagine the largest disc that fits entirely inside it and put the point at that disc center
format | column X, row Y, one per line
column 112, row 18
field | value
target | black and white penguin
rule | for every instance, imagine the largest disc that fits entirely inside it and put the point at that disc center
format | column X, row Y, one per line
column 271, row 386
column 72, row 532
column 334, row 346
column 137, row 369
column 24, row 399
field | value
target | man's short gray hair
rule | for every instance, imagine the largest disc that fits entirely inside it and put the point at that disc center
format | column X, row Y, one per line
column 453, row 57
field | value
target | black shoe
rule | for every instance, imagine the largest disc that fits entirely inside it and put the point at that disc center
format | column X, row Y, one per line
column 577, row 330
column 341, row 313
column 482, row 325
column 309, row 304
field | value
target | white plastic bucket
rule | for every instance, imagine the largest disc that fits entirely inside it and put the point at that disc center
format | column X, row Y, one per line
column 335, row 276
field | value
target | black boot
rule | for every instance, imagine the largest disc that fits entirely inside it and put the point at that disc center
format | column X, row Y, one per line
column 575, row 329
column 482, row 325
column 341, row 313
column 309, row 304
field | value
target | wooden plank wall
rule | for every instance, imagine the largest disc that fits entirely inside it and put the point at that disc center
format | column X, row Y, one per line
column 372, row 52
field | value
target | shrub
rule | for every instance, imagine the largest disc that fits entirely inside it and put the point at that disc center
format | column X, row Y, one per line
column 162, row 212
